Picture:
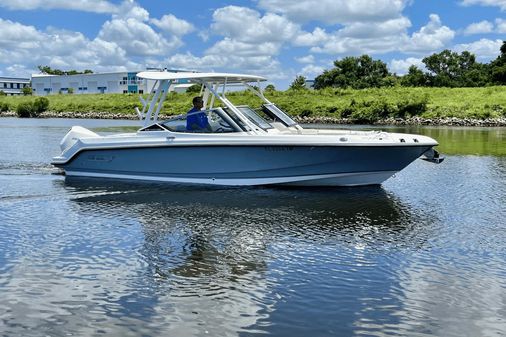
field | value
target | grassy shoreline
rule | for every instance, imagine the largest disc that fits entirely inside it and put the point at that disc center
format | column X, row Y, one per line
column 396, row 105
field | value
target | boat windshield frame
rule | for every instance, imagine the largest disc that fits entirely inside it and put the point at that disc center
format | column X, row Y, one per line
column 214, row 86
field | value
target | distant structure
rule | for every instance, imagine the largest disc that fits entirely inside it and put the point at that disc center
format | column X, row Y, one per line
column 119, row 82
column 13, row 85
column 309, row 84
column 96, row 83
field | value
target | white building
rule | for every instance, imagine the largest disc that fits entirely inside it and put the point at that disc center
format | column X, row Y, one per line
column 13, row 85
column 100, row 83
column 120, row 82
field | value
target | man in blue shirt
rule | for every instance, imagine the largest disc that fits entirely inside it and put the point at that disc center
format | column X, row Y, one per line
column 196, row 120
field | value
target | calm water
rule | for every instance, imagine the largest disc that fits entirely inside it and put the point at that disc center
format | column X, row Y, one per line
column 423, row 255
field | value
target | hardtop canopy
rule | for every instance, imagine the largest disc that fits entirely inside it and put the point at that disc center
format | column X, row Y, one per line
column 200, row 77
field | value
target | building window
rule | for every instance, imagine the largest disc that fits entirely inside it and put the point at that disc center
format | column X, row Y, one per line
column 5, row 85
column 12, row 85
column 125, row 91
column 141, row 91
column 125, row 78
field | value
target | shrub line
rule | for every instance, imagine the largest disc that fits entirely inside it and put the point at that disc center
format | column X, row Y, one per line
column 443, row 121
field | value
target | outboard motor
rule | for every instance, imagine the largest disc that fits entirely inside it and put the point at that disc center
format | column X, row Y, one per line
column 75, row 133
column 432, row 156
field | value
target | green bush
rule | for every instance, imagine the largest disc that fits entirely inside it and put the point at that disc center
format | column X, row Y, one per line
column 40, row 105
column 305, row 113
column 4, row 106
column 32, row 108
column 2, row 93
column 25, row 109
column 27, row 91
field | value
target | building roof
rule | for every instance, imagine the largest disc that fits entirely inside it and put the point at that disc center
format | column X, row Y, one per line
column 14, row 79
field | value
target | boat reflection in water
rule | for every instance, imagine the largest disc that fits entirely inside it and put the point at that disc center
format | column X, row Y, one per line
column 213, row 258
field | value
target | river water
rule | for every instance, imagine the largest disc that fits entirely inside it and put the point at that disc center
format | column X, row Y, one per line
column 422, row 255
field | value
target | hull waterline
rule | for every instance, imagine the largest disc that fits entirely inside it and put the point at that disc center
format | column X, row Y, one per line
column 247, row 165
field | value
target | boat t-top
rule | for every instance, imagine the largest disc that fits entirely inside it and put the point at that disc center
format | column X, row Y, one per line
column 236, row 144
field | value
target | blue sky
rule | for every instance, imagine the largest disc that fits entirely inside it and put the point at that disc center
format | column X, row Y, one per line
column 279, row 39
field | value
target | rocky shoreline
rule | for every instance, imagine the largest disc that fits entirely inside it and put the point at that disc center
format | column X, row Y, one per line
column 445, row 121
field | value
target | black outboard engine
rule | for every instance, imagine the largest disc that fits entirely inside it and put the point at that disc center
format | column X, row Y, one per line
column 432, row 156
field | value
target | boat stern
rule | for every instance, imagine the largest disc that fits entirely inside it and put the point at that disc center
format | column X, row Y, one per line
column 71, row 139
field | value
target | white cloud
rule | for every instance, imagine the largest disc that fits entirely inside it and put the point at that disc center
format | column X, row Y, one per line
column 484, row 49
column 96, row 6
column 311, row 71
column 305, row 59
column 492, row 3
column 484, row 27
column 136, row 37
column 388, row 36
column 318, row 36
column 500, row 26
column 14, row 35
column 231, row 47
column 376, row 30
column 58, row 48
column 336, row 11
column 362, row 37
column 247, row 25
column 173, row 25
column 481, row 27
column 250, row 43
column 401, row 67
column 18, row 70
column 129, row 28
column 432, row 36
column 131, row 10
column 259, row 65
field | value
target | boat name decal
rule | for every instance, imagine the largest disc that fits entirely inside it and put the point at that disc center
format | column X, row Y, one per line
column 94, row 157
column 278, row 148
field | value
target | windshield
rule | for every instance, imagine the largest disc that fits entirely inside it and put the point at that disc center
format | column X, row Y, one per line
column 253, row 117
column 276, row 114
column 205, row 121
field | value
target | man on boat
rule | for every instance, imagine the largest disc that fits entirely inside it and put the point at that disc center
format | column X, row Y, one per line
column 196, row 119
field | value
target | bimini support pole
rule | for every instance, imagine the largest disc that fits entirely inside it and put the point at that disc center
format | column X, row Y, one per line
column 152, row 104
column 165, row 91
column 253, row 128
column 260, row 94
column 145, row 103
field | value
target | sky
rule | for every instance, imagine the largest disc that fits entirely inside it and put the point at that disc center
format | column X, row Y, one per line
column 278, row 39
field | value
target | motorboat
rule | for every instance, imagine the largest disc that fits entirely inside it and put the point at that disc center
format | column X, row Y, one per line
column 240, row 145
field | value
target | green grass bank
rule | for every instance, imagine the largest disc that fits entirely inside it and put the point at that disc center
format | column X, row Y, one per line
column 359, row 106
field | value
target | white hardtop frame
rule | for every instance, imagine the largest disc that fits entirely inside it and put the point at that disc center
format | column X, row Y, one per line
column 214, row 86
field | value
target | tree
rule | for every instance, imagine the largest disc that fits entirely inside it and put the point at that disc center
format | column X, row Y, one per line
column 414, row 78
column 356, row 72
column 50, row 71
column 298, row 83
column 194, row 89
column 27, row 91
column 270, row 87
column 450, row 69
column 498, row 67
